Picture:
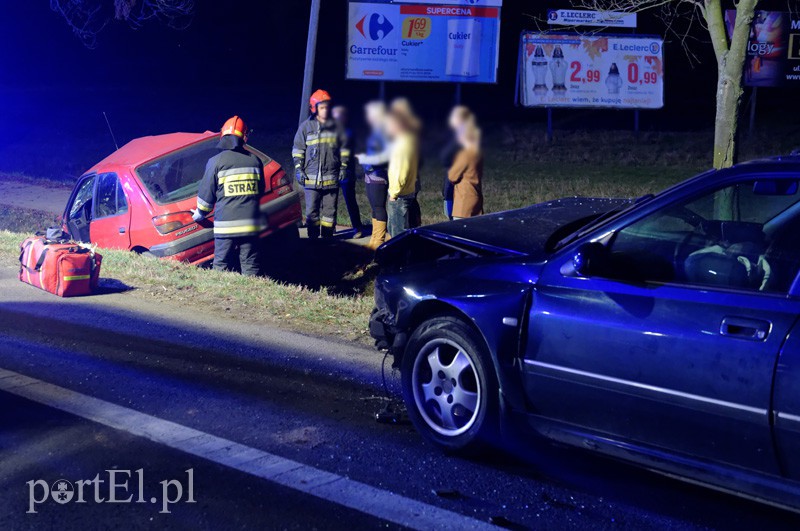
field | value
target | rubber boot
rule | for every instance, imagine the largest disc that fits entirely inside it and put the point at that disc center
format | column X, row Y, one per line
column 313, row 231
column 378, row 234
column 328, row 232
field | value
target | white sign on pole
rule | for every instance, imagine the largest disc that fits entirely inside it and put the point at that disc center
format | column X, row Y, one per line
column 577, row 17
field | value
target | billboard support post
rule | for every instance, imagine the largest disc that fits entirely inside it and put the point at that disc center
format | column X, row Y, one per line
column 458, row 93
column 753, row 99
column 311, row 52
column 636, row 121
column 382, row 90
column 549, row 134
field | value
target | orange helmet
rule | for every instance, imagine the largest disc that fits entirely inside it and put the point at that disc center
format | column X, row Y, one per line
column 317, row 98
column 235, row 126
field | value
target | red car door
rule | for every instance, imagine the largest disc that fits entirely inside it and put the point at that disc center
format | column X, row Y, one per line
column 111, row 218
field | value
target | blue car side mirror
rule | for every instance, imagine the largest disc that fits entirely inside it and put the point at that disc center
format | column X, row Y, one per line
column 589, row 259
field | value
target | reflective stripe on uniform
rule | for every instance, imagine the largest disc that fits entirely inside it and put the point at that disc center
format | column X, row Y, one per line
column 205, row 207
column 345, row 152
column 331, row 140
column 238, row 171
column 247, row 229
column 326, row 223
column 236, row 223
column 240, row 226
column 298, row 153
column 77, row 277
column 238, row 178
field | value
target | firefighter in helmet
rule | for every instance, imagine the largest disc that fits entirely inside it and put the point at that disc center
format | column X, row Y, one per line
column 232, row 187
column 321, row 156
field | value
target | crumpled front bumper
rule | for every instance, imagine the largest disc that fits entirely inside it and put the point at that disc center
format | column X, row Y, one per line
column 380, row 329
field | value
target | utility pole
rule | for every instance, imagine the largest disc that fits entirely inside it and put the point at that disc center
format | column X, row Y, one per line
column 311, row 53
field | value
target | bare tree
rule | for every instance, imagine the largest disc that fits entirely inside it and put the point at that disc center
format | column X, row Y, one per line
column 88, row 17
column 730, row 52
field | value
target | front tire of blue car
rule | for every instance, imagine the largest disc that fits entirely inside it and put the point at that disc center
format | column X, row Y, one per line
column 449, row 386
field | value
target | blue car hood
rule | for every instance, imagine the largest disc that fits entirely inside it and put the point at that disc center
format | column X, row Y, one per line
column 527, row 230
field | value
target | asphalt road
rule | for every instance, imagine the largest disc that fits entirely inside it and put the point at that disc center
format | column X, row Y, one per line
column 307, row 404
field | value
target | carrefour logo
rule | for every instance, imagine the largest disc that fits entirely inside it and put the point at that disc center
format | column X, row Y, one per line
column 552, row 15
column 374, row 26
column 654, row 48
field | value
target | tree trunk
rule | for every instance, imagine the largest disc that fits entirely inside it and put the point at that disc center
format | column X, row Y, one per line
column 730, row 67
column 729, row 98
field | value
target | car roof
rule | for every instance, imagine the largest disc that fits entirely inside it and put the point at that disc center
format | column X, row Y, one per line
column 779, row 164
column 147, row 148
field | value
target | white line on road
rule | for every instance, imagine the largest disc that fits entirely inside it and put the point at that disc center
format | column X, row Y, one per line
column 291, row 474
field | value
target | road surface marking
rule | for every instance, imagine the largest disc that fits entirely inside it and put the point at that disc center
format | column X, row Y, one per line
column 330, row 487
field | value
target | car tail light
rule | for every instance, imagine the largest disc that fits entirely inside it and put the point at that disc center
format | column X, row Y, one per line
column 172, row 222
column 280, row 179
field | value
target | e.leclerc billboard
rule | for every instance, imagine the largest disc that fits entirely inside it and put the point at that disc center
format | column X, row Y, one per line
column 571, row 70
column 420, row 40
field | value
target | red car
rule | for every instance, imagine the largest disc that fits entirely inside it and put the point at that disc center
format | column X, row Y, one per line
column 139, row 198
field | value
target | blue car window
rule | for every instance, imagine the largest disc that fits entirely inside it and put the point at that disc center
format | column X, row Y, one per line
column 739, row 237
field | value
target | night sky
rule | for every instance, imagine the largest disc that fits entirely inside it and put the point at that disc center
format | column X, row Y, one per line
column 247, row 58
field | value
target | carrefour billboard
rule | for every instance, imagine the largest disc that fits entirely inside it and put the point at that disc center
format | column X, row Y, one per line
column 421, row 40
column 572, row 70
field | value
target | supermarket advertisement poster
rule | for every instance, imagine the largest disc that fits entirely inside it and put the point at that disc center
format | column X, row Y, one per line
column 455, row 41
column 571, row 70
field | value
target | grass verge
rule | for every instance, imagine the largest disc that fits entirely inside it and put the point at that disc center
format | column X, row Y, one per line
column 257, row 300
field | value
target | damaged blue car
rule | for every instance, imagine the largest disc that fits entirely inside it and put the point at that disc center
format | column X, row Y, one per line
column 661, row 331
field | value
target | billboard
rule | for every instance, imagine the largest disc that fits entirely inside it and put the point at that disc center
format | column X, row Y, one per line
column 447, row 40
column 571, row 70
column 773, row 51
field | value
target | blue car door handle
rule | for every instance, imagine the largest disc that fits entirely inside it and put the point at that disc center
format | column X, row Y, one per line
column 743, row 328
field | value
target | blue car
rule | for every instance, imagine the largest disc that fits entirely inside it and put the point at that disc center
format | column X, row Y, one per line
column 661, row 331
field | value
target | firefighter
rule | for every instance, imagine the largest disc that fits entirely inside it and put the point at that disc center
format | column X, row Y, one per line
column 321, row 155
column 232, row 187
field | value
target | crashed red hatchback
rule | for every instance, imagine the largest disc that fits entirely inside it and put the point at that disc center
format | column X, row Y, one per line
column 139, row 198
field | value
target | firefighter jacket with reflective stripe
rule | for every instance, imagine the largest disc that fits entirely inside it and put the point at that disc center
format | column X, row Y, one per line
column 233, row 186
column 322, row 152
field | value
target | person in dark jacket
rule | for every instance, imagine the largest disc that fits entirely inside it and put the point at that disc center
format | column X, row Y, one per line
column 376, row 170
column 321, row 157
column 232, row 187
column 348, row 184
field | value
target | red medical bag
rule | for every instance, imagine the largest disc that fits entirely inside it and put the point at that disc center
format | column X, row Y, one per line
column 64, row 269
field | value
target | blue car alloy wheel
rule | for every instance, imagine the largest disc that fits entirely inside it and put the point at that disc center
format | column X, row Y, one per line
column 448, row 386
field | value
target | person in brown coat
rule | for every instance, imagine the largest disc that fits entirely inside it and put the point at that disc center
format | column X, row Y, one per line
column 466, row 174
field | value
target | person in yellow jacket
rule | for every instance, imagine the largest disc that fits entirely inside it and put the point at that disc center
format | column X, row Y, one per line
column 403, row 170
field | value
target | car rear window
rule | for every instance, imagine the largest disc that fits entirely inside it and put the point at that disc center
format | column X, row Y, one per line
column 176, row 176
